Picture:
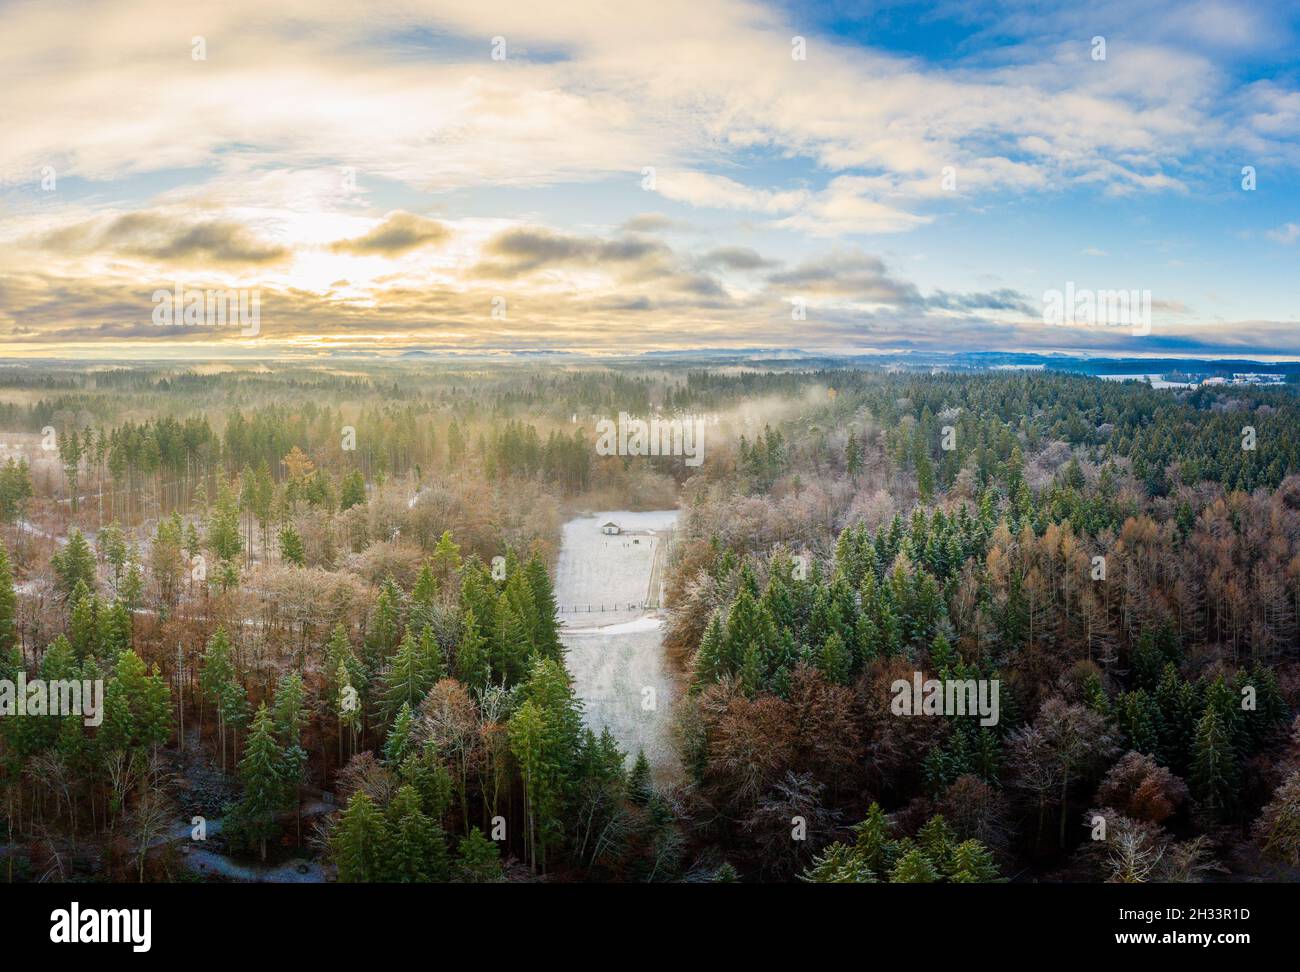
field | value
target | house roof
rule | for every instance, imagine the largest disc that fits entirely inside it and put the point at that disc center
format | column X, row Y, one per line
column 609, row 523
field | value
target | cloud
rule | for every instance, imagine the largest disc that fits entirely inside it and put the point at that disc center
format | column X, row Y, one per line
column 399, row 232
column 849, row 274
column 230, row 166
column 653, row 223
column 165, row 237
column 736, row 258
column 1287, row 233
column 526, row 250
column 999, row 300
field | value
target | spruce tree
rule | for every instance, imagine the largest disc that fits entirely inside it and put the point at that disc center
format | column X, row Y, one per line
column 473, row 666
column 913, row 868
column 1214, row 768
column 261, row 771
column 405, row 683
column 289, row 715
column 639, row 787
column 359, row 842
column 972, row 864
column 546, row 636
column 291, row 546
column 416, row 847
column 74, row 564
column 400, row 737
column 478, row 859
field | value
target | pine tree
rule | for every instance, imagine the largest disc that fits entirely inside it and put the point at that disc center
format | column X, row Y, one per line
column 400, row 736
column 834, row 660
column 478, row 859
column 709, row 662
column 290, row 716
column 424, row 597
column 473, row 666
column 639, row 787
column 913, row 868
column 133, row 585
column 425, row 771
column 381, row 636
column 74, row 564
column 936, row 841
column 853, row 454
column 972, row 864
column 1213, row 775
column 872, row 841
column 216, row 679
column 446, row 562
column 359, row 842
column 261, row 771
column 137, row 707
column 546, row 637
column 354, row 490
column 416, row 847
column 224, row 539
column 510, row 643
column 291, row 546
column 83, row 621
column 407, row 681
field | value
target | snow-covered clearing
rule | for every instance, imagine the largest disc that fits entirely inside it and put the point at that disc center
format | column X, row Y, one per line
column 616, row 654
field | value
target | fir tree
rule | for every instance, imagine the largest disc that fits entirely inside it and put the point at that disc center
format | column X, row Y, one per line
column 473, row 666
column 416, row 848
column 291, row 546
column 74, row 565
column 359, row 842
column 913, row 868
column 400, row 736
column 261, row 771
column 478, row 859
column 639, row 788
column 1214, row 774
column 972, row 864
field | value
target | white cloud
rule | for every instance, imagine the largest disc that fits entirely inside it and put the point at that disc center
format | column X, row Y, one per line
column 1286, row 233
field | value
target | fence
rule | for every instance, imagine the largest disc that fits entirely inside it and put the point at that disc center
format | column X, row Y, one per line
column 601, row 608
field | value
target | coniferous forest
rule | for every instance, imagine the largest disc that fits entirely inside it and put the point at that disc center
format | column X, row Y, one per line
column 327, row 612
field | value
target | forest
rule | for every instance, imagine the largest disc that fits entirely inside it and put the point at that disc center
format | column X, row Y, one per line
column 321, row 601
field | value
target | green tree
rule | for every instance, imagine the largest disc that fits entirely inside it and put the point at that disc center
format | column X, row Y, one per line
column 478, row 859
column 224, row 539
column 359, row 842
column 74, row 564
column 416, row 849
column 8, row 604
column 261, row 771
column 353, row 492
column 472, row 664
column 291, row 546
column 1214, row 769
column 913, row 868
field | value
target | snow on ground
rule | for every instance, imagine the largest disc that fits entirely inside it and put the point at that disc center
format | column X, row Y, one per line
column 602, row 579
column 616, row 656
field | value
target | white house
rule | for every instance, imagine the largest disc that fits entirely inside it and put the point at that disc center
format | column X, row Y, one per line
column 611, row 528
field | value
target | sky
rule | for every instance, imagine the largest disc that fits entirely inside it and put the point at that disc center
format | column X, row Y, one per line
column 616, row 178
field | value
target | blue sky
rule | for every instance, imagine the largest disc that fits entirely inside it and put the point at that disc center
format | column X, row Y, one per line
column 620, row 179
